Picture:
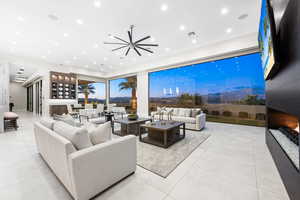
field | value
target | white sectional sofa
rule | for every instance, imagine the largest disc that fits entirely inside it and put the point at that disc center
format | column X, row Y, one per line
column 86, row 172
column 194, row 118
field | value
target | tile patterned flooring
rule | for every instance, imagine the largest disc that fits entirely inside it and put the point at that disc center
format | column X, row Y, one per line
column 233, row 164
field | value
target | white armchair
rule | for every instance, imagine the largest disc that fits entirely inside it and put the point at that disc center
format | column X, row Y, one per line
column 71, row 112
column 100, row 109
column 120, row 112
column 88, row 106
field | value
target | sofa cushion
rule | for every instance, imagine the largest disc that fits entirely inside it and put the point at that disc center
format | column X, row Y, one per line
column 189, row 120
column 175, row 111
column 67, row 119
column 195, row 112
column 187, row 112
column 78, row 136
column 101, row 134
column 47, row 122
column 10, row 115
column 181, row 112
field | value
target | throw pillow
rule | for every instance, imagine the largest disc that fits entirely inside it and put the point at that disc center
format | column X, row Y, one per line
column 187, row 112
column 47, row 122
column 67, row 119
column 101, row 134
column 181, row 112
column 77, row 136
column 175, row 111
column 195, row 112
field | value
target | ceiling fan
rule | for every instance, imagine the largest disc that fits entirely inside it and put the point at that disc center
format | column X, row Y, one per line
column 131, row 44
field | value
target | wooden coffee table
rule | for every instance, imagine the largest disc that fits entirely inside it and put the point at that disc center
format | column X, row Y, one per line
column 130, row 127
column 162, row 133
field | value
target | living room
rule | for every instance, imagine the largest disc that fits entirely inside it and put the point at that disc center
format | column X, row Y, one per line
column 149, row 100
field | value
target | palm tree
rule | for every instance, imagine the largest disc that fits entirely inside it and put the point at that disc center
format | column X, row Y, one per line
column 130, row 83
column 86, row 89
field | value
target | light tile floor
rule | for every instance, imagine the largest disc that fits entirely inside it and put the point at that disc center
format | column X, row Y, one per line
column 233, row 164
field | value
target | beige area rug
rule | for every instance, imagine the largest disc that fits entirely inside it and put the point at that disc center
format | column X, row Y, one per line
column 163, row 161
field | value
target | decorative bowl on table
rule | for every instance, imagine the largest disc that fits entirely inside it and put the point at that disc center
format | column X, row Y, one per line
column 132, row 117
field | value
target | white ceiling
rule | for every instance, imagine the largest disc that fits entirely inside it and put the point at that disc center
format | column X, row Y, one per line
column 27, row 31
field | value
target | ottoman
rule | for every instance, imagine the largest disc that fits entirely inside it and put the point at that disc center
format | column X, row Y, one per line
column 10, row 120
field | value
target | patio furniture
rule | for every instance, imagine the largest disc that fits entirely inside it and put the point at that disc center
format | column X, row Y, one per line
column 193, row 118
column 88, row 106
column 110, row 106
column 100, row 109
column 10, row 120
column 87, row 114
column 71, row 112
column 120, row 112
column 109, row 116
column 162, row 133
column 129, row 127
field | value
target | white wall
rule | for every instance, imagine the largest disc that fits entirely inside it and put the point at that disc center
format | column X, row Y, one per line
column 4, row 92
column 142, row 94
column 18, row 95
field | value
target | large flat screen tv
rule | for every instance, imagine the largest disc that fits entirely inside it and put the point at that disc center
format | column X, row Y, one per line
column 266, row 40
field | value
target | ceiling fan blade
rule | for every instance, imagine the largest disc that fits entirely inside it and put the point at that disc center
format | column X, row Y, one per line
column 120, row 39
column 137, row 51
column 145, row 49
column 127, row 51
column 148, row 45
column 145, row 38
column 120, row 48
column 130, row 37
column 115, row 43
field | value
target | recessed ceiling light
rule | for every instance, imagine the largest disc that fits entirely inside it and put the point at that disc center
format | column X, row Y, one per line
column 96, row 45
column 20, row 18
column 79, row 21
column 49, row 52
column 194, row 41
column 53, row 17
column 105, row 59
column 66, row 35
column 229, row 30
column 83, row 52
column 167, row 49
column 74, row 58
column 243, row 16
column 67, row 62
column 110, row 66
column 121, row 63
column 44, row 57
column 95, row 63
column 97, row 4
column 164, row 7
column 18, row 33
column 182, row 27
column 86, row 66
column 152, row 39
column 224, row 11
column 14, row 42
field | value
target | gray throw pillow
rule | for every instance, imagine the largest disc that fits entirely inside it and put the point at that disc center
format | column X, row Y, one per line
column 47, row 122
column 77, row 136
column 195, row 112
column 101, row 134
column 67, row 119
